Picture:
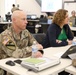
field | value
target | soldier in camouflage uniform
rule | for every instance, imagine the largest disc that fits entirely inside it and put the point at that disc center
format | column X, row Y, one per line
column 14, row 8
column 72, row 18
column 16, row 41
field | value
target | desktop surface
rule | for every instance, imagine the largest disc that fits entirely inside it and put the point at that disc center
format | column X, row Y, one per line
column 52, row 51
column 71, row 70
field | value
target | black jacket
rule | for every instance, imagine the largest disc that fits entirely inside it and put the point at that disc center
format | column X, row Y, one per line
column 52, row 34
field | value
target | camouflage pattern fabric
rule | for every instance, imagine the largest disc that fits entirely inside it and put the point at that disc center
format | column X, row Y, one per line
column 15, row 45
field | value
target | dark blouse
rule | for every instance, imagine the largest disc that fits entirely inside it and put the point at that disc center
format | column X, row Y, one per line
column 52, row 34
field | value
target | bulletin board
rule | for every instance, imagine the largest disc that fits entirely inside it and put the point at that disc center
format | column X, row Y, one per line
column 70, row 6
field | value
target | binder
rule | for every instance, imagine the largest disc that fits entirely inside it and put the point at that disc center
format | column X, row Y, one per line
column 39, row 64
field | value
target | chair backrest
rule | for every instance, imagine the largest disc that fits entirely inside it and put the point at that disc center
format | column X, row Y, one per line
column 39, row 37
column 45, row 27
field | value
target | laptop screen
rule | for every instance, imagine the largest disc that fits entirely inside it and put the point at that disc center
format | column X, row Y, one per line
column 71, row 50
column 49, row 21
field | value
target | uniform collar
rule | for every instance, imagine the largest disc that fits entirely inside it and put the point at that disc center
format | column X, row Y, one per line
column 18, row 36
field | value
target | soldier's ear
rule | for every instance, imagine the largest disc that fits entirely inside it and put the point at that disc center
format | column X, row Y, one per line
column 13, row 19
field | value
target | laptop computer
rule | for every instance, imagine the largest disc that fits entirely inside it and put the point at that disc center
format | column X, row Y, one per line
column 39, row 64
column 71, row 50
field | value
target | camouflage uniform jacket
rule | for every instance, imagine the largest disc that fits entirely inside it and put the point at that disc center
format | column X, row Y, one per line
column 14, row 45
column 13, row 9
column 72, row 19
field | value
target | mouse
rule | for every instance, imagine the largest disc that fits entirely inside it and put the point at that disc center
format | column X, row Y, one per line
column 18, row 61
column 11, row 63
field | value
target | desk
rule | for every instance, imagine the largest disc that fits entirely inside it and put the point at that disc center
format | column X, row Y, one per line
column 31, row 25
column 48, row 52
column 33, row 20
column 74, row 30
column 71, row 70
column 4, row 25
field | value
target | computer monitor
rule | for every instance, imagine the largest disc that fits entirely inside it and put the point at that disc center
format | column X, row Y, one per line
column 33, row 16
column 8, row 17
column 49, row 21
column 28, row 16
column 43, row 20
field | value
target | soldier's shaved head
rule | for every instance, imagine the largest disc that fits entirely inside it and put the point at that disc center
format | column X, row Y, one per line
column 17, row 13
column 19, row 20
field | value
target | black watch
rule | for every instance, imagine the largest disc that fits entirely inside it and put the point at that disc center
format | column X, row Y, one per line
column 42, row 52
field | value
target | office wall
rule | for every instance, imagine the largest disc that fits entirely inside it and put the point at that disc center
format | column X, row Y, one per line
column 68, row 0
column 70, row 6
column 2, row 7
column 30, row 6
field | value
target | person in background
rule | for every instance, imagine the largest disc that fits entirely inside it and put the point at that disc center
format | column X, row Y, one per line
column 73, row 13
column 58, row 33
column 14, row 8
column 16, row 41
column 49, row 15
column 72, row 18
column 18, row 7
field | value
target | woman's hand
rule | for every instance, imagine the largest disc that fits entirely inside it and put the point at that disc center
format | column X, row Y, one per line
column 58, row 41
column 69, row 42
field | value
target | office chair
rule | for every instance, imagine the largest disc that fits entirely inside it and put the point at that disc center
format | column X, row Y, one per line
column 31, row 28
column 39, row 37
column 45, row 27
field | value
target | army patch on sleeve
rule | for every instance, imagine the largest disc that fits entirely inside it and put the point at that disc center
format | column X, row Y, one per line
column 9, row 43
column 5, row 40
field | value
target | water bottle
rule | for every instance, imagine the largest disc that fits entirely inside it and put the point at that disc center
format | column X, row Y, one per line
column 34, row 49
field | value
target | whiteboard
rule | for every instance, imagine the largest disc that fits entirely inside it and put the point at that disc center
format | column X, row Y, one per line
column 70, row 7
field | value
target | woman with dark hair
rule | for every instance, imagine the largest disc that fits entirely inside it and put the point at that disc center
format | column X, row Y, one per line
column 58, row 33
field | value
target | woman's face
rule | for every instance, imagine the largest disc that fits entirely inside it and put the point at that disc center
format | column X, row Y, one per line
column 66, row 19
